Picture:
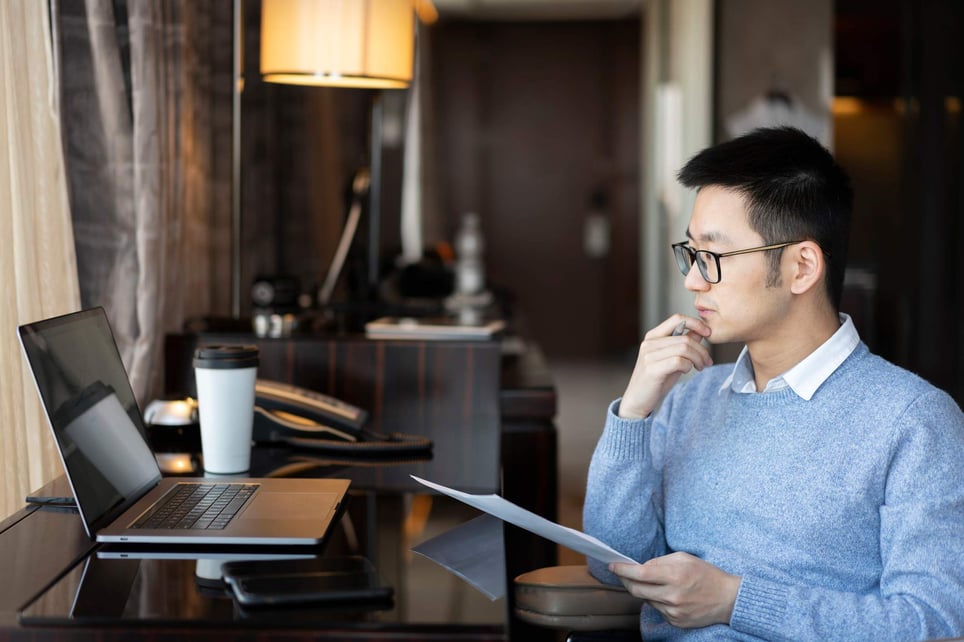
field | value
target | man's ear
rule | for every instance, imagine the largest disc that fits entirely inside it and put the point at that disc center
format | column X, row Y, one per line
column 808, row 267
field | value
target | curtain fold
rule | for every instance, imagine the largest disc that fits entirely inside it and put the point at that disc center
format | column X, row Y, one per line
column 115, row 144
column 146, row 91
column 37, row 262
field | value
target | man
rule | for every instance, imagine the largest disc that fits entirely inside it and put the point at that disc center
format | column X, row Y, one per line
column 811, row 491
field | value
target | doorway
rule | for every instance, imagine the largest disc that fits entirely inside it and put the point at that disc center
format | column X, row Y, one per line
column 537, row 127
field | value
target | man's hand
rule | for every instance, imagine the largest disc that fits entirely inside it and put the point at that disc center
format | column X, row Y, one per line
column 689, row 592
column 662, row 360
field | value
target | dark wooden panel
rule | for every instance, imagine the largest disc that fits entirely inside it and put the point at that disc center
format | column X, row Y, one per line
column 528, row 391
column 445, row 390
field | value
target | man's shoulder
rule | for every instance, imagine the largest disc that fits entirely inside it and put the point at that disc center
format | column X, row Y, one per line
column 874, row 378
column 875, row 370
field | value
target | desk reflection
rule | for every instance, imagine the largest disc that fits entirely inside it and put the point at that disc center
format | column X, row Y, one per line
column 105, row 588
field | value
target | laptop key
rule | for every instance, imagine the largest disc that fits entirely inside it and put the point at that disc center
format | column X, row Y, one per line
column 198, row 506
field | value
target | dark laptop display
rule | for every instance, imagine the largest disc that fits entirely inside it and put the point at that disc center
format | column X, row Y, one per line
column 92, row 410
column 101, row 437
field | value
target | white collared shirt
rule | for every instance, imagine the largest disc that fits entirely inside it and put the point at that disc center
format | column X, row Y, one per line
column 808, row 375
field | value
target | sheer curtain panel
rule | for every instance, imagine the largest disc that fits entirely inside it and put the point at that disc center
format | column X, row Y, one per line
column 146, row 91
column 38, row 273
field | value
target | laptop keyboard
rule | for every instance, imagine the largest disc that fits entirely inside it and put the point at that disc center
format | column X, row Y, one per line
column 197, row 506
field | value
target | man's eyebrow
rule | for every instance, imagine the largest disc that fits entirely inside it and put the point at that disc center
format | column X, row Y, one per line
column 706, row 237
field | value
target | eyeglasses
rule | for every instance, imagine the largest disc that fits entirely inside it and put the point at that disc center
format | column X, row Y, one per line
column 709, row 262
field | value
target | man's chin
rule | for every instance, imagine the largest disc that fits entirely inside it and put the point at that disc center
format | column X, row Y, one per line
column 718, row 335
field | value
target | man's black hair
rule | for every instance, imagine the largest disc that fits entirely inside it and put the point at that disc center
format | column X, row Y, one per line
column 794, row 190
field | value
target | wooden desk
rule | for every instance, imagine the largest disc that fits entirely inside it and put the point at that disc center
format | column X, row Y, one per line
column 492, row 413
column 106, row 600
column 509, row 397
column 457, row 390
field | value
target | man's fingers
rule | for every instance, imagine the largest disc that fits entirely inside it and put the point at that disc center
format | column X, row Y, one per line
column 661, row 360
column 666, row 356
column 659, row 571
column 641, row 582
column 672, row 325
column 642, row 573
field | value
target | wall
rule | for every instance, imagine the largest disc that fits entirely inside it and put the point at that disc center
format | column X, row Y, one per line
column 676, row 118
column 300, row 147
column 766, row 50
column 775, row 45
column 900, row 72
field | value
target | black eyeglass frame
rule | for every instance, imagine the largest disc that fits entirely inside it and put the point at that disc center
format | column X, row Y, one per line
column 686, row 257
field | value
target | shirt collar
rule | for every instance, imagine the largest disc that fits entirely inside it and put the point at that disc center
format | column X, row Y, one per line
column 808, row 375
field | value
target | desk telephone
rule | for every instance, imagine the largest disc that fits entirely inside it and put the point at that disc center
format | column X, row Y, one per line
column 308, row 419
column 283, row 409
column 301, row 418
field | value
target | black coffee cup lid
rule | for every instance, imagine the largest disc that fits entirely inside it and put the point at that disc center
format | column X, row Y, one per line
column 226, row 356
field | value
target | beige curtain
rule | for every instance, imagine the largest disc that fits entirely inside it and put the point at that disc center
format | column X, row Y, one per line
column 38, row 274
column 146, row 89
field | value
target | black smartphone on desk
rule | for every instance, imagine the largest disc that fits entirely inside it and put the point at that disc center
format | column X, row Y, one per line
column 332, row 580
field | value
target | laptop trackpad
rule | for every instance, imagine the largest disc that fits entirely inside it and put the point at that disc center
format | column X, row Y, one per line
column 289, row 505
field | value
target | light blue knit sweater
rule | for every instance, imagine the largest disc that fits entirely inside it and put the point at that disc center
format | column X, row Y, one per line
column 844, row 515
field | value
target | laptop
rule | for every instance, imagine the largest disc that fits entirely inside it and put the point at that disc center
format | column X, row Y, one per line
column 116, row 482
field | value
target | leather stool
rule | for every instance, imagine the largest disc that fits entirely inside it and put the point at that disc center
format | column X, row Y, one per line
column 569, row 598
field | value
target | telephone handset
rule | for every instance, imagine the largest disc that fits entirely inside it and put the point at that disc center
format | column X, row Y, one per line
column 309, row 419
column 298, row 404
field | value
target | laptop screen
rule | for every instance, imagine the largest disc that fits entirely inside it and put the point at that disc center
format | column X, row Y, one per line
column 90, row 405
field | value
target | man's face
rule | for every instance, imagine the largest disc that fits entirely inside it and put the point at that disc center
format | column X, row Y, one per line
column 741, row 307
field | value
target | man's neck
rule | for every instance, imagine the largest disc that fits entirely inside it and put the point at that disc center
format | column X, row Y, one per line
column 796, row 339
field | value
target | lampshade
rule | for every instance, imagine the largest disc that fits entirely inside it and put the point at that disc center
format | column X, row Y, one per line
column 342, row 43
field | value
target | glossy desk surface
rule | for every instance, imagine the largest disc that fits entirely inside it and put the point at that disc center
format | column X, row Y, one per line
column 57, row 586
column 54, row 586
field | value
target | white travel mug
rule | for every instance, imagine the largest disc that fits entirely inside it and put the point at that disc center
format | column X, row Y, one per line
column 225, row 376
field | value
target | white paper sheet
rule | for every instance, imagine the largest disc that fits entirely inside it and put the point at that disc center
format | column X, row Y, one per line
column 509, row 512
column 474, row 551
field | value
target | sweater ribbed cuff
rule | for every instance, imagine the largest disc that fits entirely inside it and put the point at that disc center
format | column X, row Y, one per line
column 623, row 438
column 760, row 607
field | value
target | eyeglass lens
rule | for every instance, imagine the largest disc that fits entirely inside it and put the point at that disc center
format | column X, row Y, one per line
column 705, row 261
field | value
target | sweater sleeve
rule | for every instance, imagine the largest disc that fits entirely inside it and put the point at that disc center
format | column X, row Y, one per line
column 623, row 505
column 921, row 590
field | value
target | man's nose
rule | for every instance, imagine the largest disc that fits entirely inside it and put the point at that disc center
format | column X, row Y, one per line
column 694, row 279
